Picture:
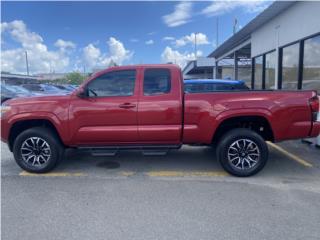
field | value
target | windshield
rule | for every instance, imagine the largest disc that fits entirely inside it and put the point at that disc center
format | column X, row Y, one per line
column 5, row 90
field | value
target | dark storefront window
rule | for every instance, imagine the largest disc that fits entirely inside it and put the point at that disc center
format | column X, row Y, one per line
column 258, row 72
column 311, row 64
column 270, row 68
column 290, row 67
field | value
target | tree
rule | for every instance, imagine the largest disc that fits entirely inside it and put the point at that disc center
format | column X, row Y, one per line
column 75, row 78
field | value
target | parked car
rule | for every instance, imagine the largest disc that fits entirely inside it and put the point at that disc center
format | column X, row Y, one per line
column 44, row 89
column 145, row 107
column 213, row 85
column 6, row 94
column 65, row 87
column 21, row 91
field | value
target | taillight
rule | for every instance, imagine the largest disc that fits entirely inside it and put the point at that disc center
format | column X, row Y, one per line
column 314, row 103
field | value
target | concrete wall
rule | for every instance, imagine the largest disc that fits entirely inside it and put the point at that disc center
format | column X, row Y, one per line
column 198, row 76
column 205, row 62
column 299, row 21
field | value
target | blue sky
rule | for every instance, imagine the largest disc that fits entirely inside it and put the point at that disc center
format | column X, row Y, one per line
column 66, row 36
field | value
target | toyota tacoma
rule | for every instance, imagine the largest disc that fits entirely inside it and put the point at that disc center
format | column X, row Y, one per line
column 145, row 107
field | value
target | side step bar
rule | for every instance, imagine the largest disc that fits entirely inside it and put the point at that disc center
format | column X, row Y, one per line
column 147, row 150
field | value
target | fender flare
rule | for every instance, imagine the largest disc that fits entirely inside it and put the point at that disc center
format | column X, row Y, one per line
column 50, row 117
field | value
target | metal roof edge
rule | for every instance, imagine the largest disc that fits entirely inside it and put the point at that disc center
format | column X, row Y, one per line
column 245, row 33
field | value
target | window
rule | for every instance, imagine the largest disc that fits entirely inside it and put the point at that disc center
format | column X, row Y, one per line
column 311, row 64
column 290, row 67
column 258, row 72
column 244, row 73
column 119, row 83
column 270, row 68
column 156, row 81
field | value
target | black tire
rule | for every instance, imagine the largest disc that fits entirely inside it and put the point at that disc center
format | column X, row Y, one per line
column 44, row 135
column 232, row 146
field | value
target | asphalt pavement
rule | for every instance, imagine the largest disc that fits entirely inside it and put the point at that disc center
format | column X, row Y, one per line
column 184, row 195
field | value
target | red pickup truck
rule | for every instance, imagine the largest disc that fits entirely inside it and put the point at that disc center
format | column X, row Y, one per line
column 145, row 107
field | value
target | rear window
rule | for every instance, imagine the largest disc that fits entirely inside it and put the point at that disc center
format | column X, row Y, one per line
column 156, row 81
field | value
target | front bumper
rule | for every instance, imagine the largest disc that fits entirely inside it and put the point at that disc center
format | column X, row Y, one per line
column 4, row 130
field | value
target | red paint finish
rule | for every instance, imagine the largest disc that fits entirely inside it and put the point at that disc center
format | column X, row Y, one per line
column 104, row 120
column 160, row 116
column 287, row 112
column 170, row 118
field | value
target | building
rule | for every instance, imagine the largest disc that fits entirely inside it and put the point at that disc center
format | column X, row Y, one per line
column 9, row 78
column 200, row 68
column 280, row 48
column 51, row 76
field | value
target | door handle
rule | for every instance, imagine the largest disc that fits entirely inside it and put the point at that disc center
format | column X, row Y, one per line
column 127, row 105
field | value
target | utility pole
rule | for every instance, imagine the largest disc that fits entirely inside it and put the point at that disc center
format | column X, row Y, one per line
column 195, row 46
column 27, row 63
column 217, row 33
column 235, row 25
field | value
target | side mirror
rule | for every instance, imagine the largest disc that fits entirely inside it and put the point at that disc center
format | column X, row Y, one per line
column 82, row 93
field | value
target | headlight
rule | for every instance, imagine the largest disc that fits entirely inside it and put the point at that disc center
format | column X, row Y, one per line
column 4, row 109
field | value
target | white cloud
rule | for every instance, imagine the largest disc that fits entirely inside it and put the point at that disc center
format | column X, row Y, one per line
column 149, row 42
column 117, row 51
column 40, row 58
column 94, row 58
column 201, row 39
column 64, row 45
column 168, row 38
column 180, row 16
column 176, row 57
column 91, row 55
column 217, row 8
column 134, row 40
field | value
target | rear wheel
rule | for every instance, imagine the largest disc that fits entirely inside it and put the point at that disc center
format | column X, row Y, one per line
column 37, row 150
column 242, row 152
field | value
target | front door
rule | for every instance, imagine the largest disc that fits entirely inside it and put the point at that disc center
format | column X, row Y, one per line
column 108, row 116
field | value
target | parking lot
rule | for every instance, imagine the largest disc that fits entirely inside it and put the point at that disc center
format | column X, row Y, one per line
column 184, row 195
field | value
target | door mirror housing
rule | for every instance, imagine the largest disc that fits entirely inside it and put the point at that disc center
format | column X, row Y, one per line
column 82, row 93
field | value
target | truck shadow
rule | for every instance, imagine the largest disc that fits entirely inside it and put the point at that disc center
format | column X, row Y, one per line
column 187, row 158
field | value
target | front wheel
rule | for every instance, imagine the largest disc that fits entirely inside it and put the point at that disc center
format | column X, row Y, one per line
column 242, row 152
column 37, row 150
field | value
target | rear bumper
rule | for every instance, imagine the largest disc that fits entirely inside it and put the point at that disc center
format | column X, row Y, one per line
column 315, row 131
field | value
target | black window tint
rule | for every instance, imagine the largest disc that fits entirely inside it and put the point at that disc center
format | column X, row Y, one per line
column 156, row 81
column 119, row 83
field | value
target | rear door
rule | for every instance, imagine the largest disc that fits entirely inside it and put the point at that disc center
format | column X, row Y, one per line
column 160, row 106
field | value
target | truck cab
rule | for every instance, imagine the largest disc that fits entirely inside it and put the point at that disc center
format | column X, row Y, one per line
column 129, row 105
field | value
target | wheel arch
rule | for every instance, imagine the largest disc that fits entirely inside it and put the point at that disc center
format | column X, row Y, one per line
column 21, row 125
column 256, row 122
